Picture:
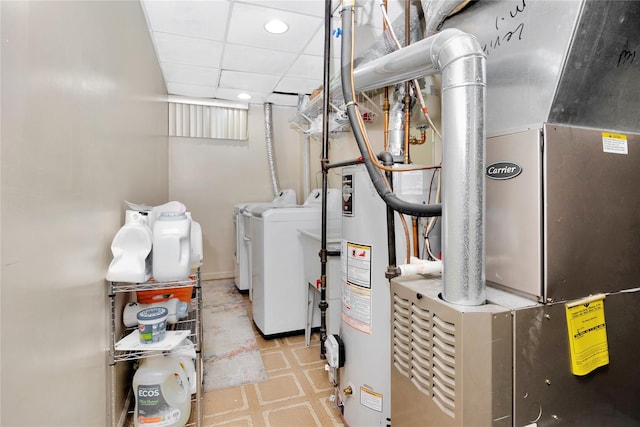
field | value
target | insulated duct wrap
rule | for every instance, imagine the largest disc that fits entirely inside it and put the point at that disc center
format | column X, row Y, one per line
column 384, row 44
column 268, row 127
column 396, row 129
column 436, row 11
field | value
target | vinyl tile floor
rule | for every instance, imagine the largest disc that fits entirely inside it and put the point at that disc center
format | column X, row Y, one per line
column 297, row 393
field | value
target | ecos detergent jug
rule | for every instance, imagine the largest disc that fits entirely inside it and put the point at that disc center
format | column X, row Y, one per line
column 161, row 388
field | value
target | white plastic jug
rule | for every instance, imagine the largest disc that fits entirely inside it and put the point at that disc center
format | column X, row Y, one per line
column 177, row 310
column 196, row 245
column 171, row 247
column 161, row 391
column 185, row 354
column 131, row 247
column 156, row 211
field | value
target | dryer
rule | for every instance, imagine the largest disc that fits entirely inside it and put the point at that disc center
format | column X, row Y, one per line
column 278, row 286
column 241, row 265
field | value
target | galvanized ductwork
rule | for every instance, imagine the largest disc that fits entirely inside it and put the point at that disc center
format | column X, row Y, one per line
column 458, row 57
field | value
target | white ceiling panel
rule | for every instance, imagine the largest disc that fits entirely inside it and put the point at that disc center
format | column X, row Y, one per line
column 248, row 81
column 202, row 76
column 312, row 67
column 316, row 45
column 205, row 19
column 295, row 85
column 185, row 89
column 280, row 99
column 307, row 7
column 256, row 60
column 247, row 28
column 218, row 48
column 188, row 50
column 232, row 94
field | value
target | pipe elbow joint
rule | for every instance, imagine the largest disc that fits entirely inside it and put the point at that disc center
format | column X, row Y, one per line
column 451, row 45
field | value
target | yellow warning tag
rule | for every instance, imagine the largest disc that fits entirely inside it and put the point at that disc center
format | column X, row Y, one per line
column 614, row 143
column 587, row 334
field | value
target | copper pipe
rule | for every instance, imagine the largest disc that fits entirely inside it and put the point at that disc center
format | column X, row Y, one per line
column 385, row 106
column 385, row 109
column 407, row 96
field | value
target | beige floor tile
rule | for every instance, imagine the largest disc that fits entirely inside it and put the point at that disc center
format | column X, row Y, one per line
column 305, row 356
column 264, row 344
column 221, row 402
column 278, row 389
column 275, row 361
column 294, row 340
column 296, row 415
column 331, row 411
column 296, row 394
column 244, row 421
column 318, row 379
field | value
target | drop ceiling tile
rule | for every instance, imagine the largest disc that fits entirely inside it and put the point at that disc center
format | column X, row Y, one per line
column 188, row 50
column 307, row 7
column 312, row 67
column 206, row 19
column 247, row 28
column 256, row 60
column 364, row 38
column 195, row 91
column 316, row 45
column 232, row 95
column 296, row 85
column 286, row 100
column 180, row 73
column 248, row 81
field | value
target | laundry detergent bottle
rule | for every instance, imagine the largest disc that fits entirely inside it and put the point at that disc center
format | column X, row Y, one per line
column 131, row 249
column 171, row 247
column 161, row 389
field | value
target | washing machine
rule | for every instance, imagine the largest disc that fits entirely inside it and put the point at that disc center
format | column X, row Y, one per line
column 241, row 265
column 277, row 274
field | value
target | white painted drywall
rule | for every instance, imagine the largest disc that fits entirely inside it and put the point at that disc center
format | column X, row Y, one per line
column 84, row 127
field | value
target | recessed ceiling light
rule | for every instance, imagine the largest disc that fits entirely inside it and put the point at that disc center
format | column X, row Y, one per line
column 244, row 96
column 276, row 26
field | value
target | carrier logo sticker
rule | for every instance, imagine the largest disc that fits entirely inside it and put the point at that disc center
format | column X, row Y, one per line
column 503, row 170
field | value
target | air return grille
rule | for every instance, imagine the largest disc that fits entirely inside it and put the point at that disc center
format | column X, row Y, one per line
column 424, row 351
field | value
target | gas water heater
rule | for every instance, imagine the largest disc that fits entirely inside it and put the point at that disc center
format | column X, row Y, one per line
column 365, row 380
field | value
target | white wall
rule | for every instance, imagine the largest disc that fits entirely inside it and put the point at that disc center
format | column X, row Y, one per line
column 210, row 176
column 83, row 128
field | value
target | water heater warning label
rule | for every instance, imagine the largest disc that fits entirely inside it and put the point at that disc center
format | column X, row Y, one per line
column 614, row 143
column 371, row 399
column 356, row 293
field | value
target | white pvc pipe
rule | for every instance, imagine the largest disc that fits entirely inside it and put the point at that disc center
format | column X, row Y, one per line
column 419, row 266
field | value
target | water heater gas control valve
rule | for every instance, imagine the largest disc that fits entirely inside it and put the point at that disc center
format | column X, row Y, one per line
column 334, row 351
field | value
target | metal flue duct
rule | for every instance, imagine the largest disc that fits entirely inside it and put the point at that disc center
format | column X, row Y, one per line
column 459, row 58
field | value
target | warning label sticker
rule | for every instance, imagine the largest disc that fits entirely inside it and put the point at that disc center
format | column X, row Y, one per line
column 614, row 143
column 356, row 291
